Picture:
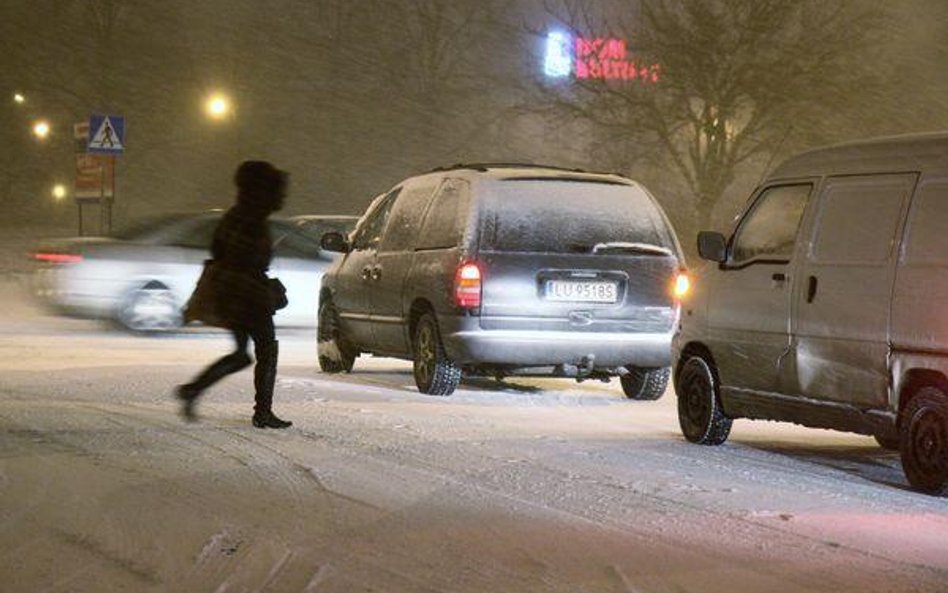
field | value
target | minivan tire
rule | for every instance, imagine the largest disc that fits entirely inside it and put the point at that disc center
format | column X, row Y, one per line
column 700, row 415
column 645, row 384
column 924, row 432
column 335, row 353
column 435, row 373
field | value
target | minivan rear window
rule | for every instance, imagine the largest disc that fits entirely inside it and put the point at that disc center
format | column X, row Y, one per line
column 557, row 216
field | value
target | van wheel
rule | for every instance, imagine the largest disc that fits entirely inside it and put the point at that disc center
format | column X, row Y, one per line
column 699, row 404
column 924, row 432
column 435, row 373
column 645, row 384
column 335, row 353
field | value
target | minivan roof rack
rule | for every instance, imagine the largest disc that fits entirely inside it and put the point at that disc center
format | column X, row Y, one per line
column 486, row 166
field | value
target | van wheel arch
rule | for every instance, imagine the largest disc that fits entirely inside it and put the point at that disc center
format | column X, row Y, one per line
column 418, row 308
column 914, row 381
column 695, row 349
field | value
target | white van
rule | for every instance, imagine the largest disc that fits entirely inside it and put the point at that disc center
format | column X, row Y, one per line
column 827, row 305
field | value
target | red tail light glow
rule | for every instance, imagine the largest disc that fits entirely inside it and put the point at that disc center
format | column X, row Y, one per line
column 467, row 286
column 58, row 258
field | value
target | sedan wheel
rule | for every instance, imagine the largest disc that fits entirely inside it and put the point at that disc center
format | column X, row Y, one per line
column 435, row 373
column 699, row 406
column 150, row 309
column 924, row 432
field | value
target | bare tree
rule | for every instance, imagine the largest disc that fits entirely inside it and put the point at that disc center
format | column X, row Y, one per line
column 738, row 80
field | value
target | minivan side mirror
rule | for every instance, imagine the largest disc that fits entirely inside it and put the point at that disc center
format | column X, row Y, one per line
column 334, row 241
column 712, row 246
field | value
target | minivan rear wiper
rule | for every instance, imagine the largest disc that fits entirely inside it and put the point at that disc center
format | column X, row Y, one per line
column 624, row 247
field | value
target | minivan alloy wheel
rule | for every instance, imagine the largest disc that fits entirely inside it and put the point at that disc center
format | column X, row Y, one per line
column 924, row 435
column 435, row 373
column 699, row 406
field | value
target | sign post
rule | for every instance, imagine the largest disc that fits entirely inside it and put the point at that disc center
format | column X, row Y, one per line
column 98, row 142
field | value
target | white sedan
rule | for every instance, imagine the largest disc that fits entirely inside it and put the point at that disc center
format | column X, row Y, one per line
column 144, row 276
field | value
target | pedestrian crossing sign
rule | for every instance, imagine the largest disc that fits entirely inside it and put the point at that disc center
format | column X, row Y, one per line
column 106, row 134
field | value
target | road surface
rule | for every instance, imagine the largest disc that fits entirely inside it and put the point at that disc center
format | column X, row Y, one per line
column 527, row 485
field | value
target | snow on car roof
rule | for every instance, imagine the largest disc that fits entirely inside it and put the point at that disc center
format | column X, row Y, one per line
column 535, row 172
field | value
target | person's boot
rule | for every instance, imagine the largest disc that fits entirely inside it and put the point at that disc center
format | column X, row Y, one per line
column 264, row 379
column 189, row 392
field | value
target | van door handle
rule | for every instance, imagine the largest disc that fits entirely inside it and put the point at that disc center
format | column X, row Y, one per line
column 811, row 289
column 366, row 273
column 779, row 277
column 377, row 273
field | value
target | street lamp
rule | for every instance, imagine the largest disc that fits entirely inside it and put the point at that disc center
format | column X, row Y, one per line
column 19, row 99
column 217, row 106
column 59, row 191
column 41, row 129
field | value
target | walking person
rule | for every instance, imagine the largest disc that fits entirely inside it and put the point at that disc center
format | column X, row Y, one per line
column 235, row 292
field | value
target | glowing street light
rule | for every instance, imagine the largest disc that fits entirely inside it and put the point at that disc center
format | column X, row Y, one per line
column 41, row 129
column 19, row 99
column 217, row 106
column 59, row 191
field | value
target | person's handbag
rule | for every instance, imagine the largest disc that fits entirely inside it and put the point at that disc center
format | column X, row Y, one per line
column 202, row 306
column 277, row 294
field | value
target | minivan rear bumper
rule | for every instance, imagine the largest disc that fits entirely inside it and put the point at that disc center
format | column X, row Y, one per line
column 466, row 343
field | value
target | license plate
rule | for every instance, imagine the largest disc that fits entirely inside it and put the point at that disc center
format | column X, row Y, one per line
column 582, row 291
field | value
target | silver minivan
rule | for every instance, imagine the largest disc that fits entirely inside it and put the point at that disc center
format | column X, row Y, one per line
column 827, row 304
column 498, row 270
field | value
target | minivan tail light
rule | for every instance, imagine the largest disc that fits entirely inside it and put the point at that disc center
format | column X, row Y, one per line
column 467, row 286
column 58, row 258
column 682, row 285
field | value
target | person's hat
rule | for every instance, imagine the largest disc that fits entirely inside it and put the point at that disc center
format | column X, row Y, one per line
column 259, row 176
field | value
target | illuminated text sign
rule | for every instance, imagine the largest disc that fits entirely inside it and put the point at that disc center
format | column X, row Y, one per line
column 594, row 59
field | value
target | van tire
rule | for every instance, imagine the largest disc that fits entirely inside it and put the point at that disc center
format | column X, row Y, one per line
column 923, row 427
column 435, row 373
column 643, row 384
column 700, row 415
column 335, row 353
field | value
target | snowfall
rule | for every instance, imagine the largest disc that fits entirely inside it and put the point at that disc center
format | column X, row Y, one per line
column 523, row 485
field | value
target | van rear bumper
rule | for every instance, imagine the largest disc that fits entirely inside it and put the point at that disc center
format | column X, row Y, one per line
column 465, row 343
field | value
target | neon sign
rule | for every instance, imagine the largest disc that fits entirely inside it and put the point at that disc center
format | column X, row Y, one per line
column 594, row 59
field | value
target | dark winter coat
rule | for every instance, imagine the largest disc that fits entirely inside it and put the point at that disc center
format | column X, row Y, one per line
column 234, row 289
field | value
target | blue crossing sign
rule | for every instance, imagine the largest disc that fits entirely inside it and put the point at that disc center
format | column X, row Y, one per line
column 106, row 134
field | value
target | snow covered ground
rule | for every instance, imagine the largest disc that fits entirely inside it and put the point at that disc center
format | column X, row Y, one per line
column 528, row 485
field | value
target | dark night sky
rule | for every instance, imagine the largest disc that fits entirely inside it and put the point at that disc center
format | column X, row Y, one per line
column 350, row 96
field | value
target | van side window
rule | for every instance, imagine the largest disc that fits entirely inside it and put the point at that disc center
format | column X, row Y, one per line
column 769, row 231
column 401, row 231
column 370, row 228
column 858, row 217
column 443, row 225
column 927, row 241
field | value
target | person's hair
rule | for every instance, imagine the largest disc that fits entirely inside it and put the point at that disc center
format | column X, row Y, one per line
column 259, row 183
